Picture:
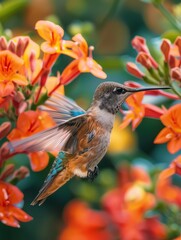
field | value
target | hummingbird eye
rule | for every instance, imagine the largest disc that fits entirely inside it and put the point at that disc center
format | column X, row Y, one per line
column 119, row 91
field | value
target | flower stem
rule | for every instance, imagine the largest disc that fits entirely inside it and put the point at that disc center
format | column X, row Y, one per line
column 168, row 16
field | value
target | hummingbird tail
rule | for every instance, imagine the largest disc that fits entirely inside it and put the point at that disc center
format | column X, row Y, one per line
column 51, row 187
column 59, row 174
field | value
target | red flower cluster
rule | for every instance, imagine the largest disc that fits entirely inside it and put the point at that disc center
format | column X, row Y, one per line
column 165, row 73
column 123, row 215
column 10, row 197
column 84, row 223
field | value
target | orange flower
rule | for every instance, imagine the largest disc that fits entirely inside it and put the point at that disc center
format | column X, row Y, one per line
column 53, row 82
column 174, row 168
column 10, row 214
column 138, row 110
column 178, row 238
column 168, row 192
column 29, row 123
column 10, row 64
column 83, row 62
column 78, row 217
column 172, row 131
column 52, row 33
column 128, row 203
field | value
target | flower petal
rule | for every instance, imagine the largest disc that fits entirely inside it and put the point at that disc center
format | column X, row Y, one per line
column 172, row 118
column 134, row 70
column 139, row 43
column 52, row 33
column 19, row 214
column 153, row 111
column 9, row 220
column 20, row 79
column 165, row 48
column 6, row 89
column 38, row 160
column 174, row 145
column 82, row 44
column 126, row 120
column 163, row 136
column 166, row 173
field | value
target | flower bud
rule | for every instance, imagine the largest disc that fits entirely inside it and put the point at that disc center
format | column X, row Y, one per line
column 4, row 129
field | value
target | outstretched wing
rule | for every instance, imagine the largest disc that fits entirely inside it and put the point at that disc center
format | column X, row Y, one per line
column 61, row 108
column 54, row 138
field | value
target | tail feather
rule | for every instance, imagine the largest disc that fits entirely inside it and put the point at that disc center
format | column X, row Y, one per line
column 59, row 174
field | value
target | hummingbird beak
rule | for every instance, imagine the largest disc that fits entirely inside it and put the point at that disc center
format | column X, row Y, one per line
column 132, row 90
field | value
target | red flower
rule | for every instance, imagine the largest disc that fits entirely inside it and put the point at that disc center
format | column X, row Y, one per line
column 172, row 131
column 84, row 223
column 128, row 203
column 139, row 43
column 146, row 60
column 10, row 214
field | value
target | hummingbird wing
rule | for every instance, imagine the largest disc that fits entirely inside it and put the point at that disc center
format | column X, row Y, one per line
column 57, row 177
column 53, row 138
column 61, row 108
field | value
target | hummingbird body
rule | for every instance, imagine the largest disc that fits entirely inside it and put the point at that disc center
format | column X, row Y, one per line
column 81, row 137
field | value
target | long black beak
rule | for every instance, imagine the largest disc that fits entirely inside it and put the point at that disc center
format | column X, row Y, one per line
column 147, row 89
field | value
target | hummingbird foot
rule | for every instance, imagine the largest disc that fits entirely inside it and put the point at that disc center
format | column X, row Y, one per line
column 91, row 175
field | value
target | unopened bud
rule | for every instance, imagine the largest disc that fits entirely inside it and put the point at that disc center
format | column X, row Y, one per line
column 19, row 97
column 4, row 129
column 3, row 43
column 8, row 171
column 21, row 173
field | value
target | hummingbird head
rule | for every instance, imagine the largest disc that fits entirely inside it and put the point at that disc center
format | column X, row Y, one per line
column 110, row 95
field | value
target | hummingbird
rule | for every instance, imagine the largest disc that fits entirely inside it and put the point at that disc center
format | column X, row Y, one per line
column 81, row 137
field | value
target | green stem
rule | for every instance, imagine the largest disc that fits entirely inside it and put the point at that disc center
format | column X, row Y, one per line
column 115, row 6
column 168, row 16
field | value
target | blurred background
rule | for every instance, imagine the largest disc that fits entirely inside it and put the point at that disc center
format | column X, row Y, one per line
column 108, row 25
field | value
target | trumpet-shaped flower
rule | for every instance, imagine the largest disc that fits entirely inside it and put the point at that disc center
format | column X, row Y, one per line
column 83, row 62
column 10, row 214
column 52, row 34
column 29, row 123
column 172, row 131
column 138, row 110
column 10, row 64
